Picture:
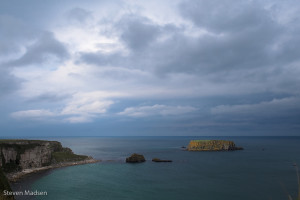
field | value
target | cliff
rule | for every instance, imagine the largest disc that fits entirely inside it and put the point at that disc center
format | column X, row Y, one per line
column 4, row 185
column 17, row 155
column 212, row 145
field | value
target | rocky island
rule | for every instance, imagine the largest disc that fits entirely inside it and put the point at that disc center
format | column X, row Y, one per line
column 160, row 160
column 135, row 158
column 212, row 145
column 21, row 157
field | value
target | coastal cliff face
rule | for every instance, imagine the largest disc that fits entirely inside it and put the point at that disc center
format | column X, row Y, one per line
column 17, row 155
column 4, row 185
column 212, row 145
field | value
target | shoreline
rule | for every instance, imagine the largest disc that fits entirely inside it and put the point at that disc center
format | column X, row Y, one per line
column 16, row 176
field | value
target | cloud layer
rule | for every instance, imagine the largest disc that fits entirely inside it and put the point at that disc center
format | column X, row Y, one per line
column 190, row 65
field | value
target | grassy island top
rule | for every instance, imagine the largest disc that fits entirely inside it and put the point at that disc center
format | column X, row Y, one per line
column 211, row 145
column 22, row 140
column 210, row 141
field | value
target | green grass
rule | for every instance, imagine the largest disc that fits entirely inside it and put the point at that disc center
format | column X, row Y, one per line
column 208, row 141
column 67, row 157
column 20, row 140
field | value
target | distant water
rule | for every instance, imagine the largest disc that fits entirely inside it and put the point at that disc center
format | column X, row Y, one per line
column 263, row 171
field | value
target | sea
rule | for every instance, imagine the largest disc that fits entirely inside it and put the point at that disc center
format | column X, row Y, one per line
column 266, row 169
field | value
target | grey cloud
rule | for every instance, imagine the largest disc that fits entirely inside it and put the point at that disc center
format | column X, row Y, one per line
column 157, row 109
column 247, row 39
column 13, row 34
column 8, row 82
column 259, row 57
column 266, row 111
column 79, row 15
column 250, row 47
column 224, row 16
column 100, row 58
column 138, row 32
column 50, row 97
column 45, row 48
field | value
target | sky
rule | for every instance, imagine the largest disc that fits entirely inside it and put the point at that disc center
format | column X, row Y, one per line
column 149, row 68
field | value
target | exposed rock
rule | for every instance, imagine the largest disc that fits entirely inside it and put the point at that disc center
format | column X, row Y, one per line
column 135, row 158
column 17, row 155
column 4, row 185
column 15, row 176
column 159, row 160
column 212, row 145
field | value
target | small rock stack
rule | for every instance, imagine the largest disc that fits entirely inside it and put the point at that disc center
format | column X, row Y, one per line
column 135, row 158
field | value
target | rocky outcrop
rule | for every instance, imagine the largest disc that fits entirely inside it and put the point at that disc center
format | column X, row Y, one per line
column 17, row 155
column 212, row 145
column 160, row 160
column 4, row 186
column 135, row 158
column 15, row 176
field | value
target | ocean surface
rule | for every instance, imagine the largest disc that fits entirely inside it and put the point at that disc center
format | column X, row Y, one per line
column 263, row 170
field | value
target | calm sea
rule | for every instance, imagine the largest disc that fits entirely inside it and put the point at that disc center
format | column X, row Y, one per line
column 263, row 171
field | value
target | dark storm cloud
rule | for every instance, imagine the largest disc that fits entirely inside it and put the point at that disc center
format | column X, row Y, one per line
column 45, row 48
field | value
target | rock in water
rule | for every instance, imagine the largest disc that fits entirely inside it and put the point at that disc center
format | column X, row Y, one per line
column 212, row 145
column 160, row 160
column 135, row 158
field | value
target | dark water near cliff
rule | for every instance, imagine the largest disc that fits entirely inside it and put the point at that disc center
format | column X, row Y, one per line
column 250, row 174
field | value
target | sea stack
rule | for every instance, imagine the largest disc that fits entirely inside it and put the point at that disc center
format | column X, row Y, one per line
column 212, row 145
column 135, row 158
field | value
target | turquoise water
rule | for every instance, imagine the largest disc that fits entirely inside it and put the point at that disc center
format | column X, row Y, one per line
column 264, row 170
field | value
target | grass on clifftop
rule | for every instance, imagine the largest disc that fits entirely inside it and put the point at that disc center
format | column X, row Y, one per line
column 20, row 140
column 67, row 157
column 208, row 140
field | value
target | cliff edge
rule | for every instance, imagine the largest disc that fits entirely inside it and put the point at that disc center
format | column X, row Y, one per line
column 4, row 186
column 20, row 157
column 212, row 145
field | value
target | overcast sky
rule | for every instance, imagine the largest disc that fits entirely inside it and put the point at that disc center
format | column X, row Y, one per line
column 172, row 67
